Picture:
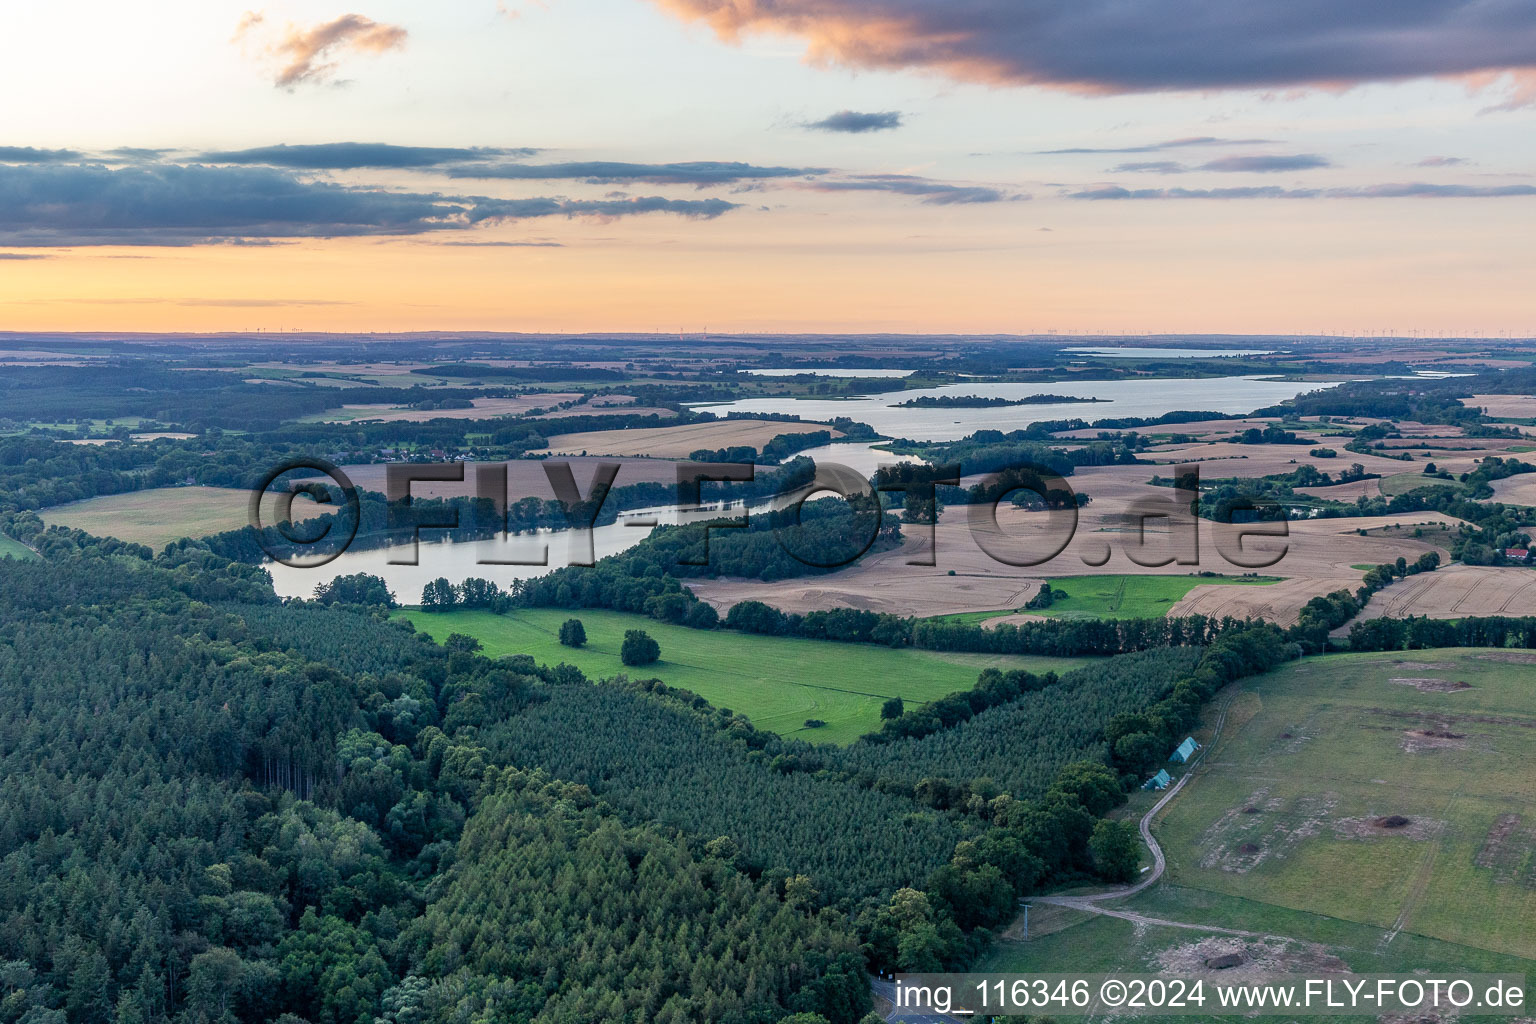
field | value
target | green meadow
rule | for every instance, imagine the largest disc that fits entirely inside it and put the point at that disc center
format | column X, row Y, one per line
column 1118, row 596
column 1355, row 808
column 1393, row 790
column 777, row 682
column 10, row 548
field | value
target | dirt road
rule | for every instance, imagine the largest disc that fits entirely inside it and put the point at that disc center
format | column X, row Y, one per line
column 1089, row 902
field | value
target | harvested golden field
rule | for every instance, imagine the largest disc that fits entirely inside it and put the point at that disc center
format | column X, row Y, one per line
column 1512, row 406
column 482, row 408
column 1516, row 490
column 593, row 409
column 1224, row 459
column 1455, row 591
column 158, row 516
column 678, row 442
column 1345, row 492
column 1319, row 557
column 1195, row 428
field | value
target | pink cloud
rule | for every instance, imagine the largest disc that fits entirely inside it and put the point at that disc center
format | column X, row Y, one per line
column 312, row 54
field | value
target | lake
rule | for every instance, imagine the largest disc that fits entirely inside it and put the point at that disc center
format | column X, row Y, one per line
column 1140, row 397
column 459, row 560
column 862, row 457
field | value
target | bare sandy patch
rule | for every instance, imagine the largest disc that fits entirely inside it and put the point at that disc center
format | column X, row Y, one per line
column 1506, row 850
column 1510, row 657
column 1419, row 741
column 1253, row 958
column 1425, row 684
column 1261, row 828
column 1388, row 826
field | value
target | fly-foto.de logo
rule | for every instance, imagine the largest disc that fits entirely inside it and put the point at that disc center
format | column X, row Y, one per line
column 1021, row 516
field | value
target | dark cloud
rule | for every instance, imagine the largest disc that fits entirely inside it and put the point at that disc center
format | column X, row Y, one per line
column 522, row 209
column 168, row 204
column 1413, row 190
column 1254, row 192
column 933, row 193
column 1158, row 147
column 1153, row 45
column 1261, row 164
column 136, row 153
column 1416, row 190
column 855, row 122
column 1266, row 164
column 157, row 204
column 25, row 256
column 607, row 172
column 29, row 155
column 331, row 156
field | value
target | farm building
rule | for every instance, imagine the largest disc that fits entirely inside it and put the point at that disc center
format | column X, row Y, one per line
column 1185, row 751
column 1159, row 781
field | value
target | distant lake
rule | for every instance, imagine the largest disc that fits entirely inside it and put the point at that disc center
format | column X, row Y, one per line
column 1116, row 352
column 833, row 371
column 1148, row 397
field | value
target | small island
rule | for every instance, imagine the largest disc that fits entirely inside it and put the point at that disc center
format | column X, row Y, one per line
column 978, row 402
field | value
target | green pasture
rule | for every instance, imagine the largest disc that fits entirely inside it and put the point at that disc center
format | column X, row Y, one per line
column 1288, row 810
column 777, row 682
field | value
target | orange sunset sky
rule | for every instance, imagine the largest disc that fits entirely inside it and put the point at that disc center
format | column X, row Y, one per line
column 837, row 165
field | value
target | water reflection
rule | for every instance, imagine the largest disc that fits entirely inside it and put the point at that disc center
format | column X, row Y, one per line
column 440, row 556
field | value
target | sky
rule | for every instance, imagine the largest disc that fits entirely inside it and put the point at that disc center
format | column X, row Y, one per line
column 946, row 166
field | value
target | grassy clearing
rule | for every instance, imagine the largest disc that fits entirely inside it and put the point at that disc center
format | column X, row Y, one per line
column 778, row 682
column 1132, row 597
column 1117, row 596
column 157, row 516
column 10, row 548
column 1443, row 739
column 1402, row 483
